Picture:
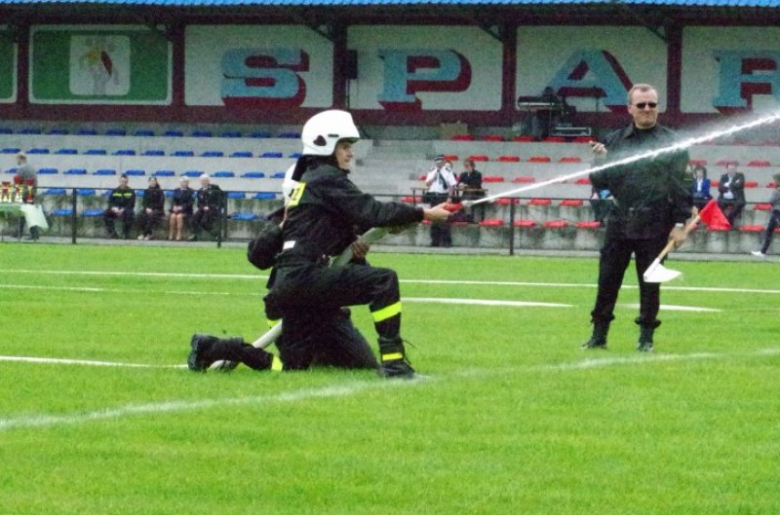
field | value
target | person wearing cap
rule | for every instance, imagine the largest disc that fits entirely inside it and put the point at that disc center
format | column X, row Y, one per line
column 207, row 213
column 181, row 208
column 321, row 218
column 440, row 182
column 152, row 210
column 121, row 204
column 27, row 176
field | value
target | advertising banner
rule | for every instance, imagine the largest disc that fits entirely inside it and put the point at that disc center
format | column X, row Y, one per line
column 730, row 69
column 403, row 68
column 591, row 67
column 99, row 65
column 272, row 66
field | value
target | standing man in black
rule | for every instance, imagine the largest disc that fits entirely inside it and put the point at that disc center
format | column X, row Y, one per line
column 209, row 203
column 121, row 204
column 651, row 204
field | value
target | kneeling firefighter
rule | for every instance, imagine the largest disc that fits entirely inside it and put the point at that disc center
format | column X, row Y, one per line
column 322, row 215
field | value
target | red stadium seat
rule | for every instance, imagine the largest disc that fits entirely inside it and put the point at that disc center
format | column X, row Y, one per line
column 524, row 179
column 584, row 139
column 505, row 201
column 491, row 222
column 459, row 224
column 572, row 202
column 751, row 228
column 450, row 157
column 714, row 183
column 554, row 139
column 463, row 137
column 411, row 200
column 770, row 184
column 582, row 181
column 556, row 224
column 493, row 178
column 751, row 184
column 698, row 162
column 423, row 177
column 524, row 224
column 570, row 159
column 539, row 202
column 540, row 159
column 592, row 224
column 764, row 206
column 759, row 163
column 479, row 157
column 493, row 137
column 509, row 159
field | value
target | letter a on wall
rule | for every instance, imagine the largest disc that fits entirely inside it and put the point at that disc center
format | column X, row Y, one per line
column 593, row 74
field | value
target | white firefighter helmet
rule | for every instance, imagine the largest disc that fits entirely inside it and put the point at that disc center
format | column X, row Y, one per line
column 289, row 184
column 323, row 130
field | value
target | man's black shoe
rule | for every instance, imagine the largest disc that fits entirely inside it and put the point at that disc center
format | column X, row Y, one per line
column 396, row 368
column 644, row 346
column 594, row 343
column 200, row 345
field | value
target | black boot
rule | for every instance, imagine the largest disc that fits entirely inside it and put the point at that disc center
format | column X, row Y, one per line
column 645, row 338
column 393, row 359
column 598, row 340
column 200, row 358
column 229, row 352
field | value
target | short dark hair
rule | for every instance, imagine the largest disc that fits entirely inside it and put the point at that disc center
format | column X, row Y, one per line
column 700, row 167
column 123, row 176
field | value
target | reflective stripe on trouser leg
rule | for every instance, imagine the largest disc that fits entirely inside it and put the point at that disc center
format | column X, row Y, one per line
column 387, row 320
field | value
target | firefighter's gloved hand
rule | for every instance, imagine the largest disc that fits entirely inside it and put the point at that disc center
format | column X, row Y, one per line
column 359, row 249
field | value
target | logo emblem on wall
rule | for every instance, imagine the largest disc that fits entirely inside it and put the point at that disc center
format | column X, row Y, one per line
column 100, row 65
column 411, row 71
column 264, row 77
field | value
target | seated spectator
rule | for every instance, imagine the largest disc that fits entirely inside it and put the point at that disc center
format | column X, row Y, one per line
column 774, row 219
column 27, row 179
column 181, row 209
column 121, row 202
column 732, row 193
column 153, row 209
column 601, row 202
column 470, row 182
column 207, row 213
column 440, row 182
column 700, row 188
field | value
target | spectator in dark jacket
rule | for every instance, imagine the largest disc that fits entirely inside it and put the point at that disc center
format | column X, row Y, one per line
column 153, row 209
column 121, row 203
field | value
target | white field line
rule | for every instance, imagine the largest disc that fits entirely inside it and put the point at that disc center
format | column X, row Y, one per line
column 462, row 282
column 44, row 420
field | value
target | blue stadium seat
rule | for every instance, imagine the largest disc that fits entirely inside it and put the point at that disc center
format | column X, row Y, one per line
column 277, row 175
column 241, row 154
column 116, row 132
column 192, row 173
column 295, row 155
column 67, row 151
column 231, row 134
column 173, row 134
column 48, row 171
column 10, row 150
column 223, row 174
column 125, row 152
column 289, row 135
column 139, row 193
column 104, row 171
column 75, row 171
column 59, row 132
column 62, row 211
column 96, row 152
column 85, row 192
column 87, row 132
column 260, row 134
column 144, row 132
column 275, row 155
column 183, row 153
column 55, row 191
column 213, row 153
column 6, row 130
column 38, row 150
column 168, row 193
column 31, row 130
column 164, row 173
column 156, row 152
column 244, row 217
column 11, row 170
column 236, row 195
column 264, row 195
column 201, row 134
column 135, row 173
column 253, row 175
column 92, row 213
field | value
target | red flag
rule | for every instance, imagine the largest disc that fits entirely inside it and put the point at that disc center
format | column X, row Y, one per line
column 711, row 215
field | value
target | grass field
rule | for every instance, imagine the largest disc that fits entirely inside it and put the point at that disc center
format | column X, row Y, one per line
column 513, row 418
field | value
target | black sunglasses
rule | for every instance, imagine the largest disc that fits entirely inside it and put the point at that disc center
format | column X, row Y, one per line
column 642, row 105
